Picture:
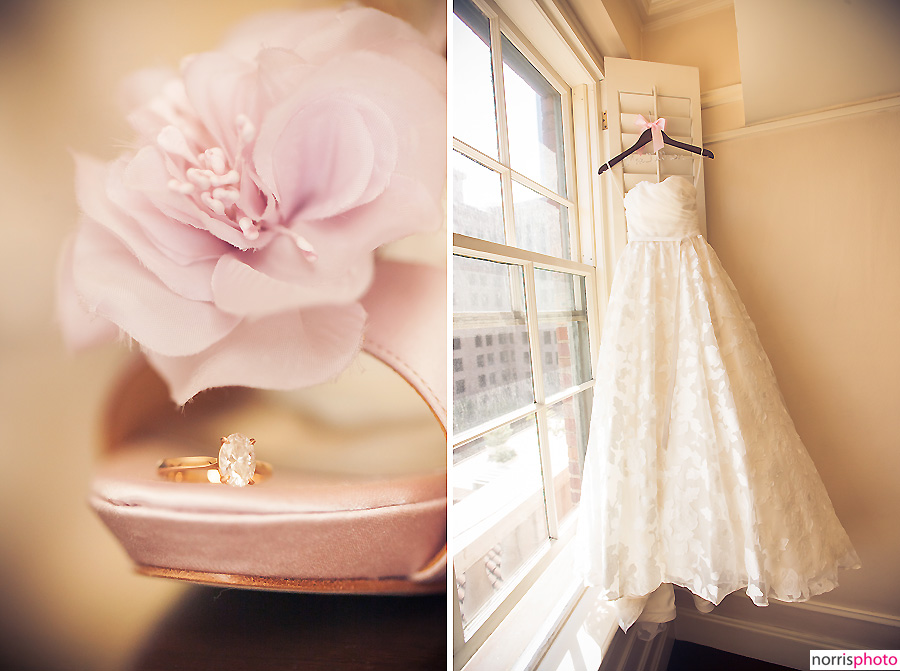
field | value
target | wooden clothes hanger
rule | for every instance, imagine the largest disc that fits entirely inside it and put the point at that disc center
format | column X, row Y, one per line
column 646, row 137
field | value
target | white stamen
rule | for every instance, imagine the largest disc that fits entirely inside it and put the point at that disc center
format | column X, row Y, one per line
column 248, row 227
column 307, row 249
column 216, row 206
column 181, row 187
column 302, row 243
column 230, row 177
column 246, row 129
column 215, row 159
column 227, row 195
column 199, row 177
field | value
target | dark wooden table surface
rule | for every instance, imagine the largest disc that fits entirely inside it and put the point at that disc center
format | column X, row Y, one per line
column 230, row 629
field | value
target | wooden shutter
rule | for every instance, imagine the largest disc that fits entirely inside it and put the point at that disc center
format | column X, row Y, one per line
column 653, row 90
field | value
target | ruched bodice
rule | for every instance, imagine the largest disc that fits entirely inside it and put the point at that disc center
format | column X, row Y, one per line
column 664, row 211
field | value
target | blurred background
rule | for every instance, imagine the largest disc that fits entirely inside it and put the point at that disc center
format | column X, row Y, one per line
column 68, row 596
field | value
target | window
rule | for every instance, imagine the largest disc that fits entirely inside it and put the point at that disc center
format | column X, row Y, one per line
column 456, row 344
column 479, row 360
column 457, row 365
column 459, row 387
column 518, row 268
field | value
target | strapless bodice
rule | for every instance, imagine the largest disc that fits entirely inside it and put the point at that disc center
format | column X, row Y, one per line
column 663, row 211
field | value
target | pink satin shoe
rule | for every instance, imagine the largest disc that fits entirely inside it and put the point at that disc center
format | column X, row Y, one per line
column 350, row 507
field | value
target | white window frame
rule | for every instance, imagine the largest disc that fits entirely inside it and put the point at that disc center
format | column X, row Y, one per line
column 582, row 145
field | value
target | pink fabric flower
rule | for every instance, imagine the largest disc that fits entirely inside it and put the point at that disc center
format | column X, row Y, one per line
column 235, row 243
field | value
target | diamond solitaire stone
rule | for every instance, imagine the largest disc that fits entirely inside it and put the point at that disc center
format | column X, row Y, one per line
column 237, row 460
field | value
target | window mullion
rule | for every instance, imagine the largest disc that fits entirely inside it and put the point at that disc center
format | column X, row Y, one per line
column 459, row 638
column 499, row 93
column 542, row 190
column 571, row 392
column 540, row 398
column 531, row 318
column 464, row 245
column 502, row 134
column 463, row 437
column 571, row 186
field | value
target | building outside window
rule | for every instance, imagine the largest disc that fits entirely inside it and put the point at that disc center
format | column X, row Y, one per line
column 518, row 273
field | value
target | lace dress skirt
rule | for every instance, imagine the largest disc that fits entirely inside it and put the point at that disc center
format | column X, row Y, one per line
column 694, row 473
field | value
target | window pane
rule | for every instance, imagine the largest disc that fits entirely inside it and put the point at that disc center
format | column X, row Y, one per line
column 498, row 518
column 474, row 113
column 562, row 316
column 489, row 299
column 477, row 201
column 542, row 225
column 534, row 118
column 567, row 432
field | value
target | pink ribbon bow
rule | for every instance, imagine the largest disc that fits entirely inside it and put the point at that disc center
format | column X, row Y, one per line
column 656, row 129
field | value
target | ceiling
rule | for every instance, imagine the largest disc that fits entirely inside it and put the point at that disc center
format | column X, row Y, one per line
column 818, row 54
column 653, row 13
column 796, row 56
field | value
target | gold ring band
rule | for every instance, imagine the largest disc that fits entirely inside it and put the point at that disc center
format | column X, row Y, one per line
column 236, row 466
column 203, row 469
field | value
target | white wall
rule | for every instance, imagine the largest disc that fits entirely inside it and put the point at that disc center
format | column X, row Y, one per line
column 806, row 221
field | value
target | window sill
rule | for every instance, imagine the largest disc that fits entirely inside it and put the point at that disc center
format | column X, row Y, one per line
column 557, row 622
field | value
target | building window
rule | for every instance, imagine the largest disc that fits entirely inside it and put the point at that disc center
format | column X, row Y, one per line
column 479, row 360
column 517, row 269
column 459, row 387
column 457, row 365
column 457, row 344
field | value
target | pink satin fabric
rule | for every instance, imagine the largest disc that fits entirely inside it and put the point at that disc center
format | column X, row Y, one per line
column 656, row 129
column 295, row 525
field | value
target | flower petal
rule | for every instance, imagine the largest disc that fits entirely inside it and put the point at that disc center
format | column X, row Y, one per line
column 285, row 351
column 278, row 279
column 220, row 87
column 146, row 172
column 317, row 35
column 113, row 284
column 142, row 92
column 416, row 108
column 187, row 277
column 406, row 207
column 181, row 243
column 325, row 156
column 80, row 328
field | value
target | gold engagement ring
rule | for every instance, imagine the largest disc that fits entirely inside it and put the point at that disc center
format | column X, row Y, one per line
column 236, row 465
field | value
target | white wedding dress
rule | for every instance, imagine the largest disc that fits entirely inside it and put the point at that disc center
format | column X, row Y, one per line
column 694, row 474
